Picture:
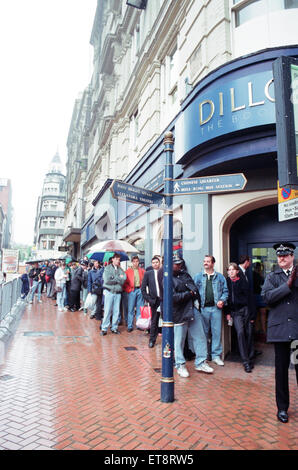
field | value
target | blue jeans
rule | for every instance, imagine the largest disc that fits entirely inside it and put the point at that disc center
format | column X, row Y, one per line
column 84, row 293
column 111, row 305
column 212, row 317
column 196, row 339
column 61, row 297
column 35, row 286
column 135, row 299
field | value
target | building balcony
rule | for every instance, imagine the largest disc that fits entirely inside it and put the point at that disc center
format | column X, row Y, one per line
column 51, row 214
column 51, row 231
column 72, row 235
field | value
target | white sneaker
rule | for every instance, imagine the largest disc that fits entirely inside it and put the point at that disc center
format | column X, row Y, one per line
column 40, row 301
column 60, row 309
column 218, row 361
column 31, row 302
column 203, row 367
column 182, row 371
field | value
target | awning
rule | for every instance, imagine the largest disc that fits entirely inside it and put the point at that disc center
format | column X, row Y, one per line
column 73, row 235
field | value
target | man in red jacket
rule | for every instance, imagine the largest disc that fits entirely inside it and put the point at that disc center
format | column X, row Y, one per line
column 132, row 287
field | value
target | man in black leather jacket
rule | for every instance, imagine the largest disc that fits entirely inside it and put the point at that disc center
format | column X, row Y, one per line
column 187, row 320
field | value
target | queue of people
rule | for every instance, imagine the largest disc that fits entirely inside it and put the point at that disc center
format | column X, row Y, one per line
column 200, row 305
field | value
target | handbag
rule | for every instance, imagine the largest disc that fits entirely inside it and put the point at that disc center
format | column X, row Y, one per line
column 143, row 323
column 146, row 311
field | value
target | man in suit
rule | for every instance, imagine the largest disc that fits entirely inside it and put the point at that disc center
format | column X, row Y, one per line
column 244, row 264
column 151, row 293
column 280, row 291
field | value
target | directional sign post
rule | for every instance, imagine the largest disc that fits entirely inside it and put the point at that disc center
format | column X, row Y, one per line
column 147, row 197
column 167, row 379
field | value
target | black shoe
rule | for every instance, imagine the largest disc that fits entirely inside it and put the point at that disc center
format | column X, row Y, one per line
column 116, row 332
column 129, row 330
column 73, row 310
column 282, row 416
column 91, row 317
column 247, row 368
column 151, row 344
column 103, row 333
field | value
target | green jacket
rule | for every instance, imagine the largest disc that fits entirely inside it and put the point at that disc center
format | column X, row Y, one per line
column 113, row 279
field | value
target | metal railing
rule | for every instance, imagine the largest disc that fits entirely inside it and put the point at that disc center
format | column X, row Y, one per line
column 10, row 292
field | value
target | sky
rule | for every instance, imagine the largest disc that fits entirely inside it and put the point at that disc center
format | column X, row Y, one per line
column 46, row 60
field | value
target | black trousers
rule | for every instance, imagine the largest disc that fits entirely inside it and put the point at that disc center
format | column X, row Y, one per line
column 75, row 299
column 283, row 354
column 98, row 312
column 154, row 324
column 244, row 330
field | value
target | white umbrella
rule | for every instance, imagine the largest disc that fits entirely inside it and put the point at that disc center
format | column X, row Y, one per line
column 114, row 245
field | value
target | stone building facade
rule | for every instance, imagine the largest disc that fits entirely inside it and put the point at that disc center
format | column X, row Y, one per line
column 49, row 220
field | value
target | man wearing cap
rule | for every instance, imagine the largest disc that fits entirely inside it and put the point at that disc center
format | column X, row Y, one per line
column 280, row 291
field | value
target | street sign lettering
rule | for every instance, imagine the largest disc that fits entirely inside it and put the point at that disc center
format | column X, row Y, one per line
column 210, row 184
column 131, row 193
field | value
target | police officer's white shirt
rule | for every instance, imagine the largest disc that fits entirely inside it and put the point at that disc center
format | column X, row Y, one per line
column 288, row 271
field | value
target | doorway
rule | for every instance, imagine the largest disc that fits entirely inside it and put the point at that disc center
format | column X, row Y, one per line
column 255, row 233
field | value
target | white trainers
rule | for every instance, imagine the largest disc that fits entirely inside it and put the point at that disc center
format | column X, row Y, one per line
column 203, row 367
column 31, row 302
column 182, row 371
column 218, row 361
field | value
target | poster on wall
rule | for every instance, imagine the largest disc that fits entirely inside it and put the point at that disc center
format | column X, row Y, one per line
column 10, row 261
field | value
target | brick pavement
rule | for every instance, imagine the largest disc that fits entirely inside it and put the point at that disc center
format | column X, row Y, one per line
column 70, row 388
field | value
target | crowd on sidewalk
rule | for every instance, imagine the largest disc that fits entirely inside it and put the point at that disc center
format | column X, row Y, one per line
column 115, row 296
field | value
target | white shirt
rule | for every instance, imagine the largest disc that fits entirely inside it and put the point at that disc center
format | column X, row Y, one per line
column 289, row 269
column 156, row 282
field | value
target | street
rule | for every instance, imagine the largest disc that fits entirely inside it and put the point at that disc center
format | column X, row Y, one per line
column 65, row 387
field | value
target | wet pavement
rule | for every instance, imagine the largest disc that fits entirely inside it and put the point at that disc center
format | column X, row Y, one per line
column 63, row 386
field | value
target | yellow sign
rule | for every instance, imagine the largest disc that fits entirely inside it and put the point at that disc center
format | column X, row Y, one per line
column 286, row 194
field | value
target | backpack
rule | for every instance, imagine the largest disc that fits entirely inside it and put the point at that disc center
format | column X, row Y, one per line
column 97, row 286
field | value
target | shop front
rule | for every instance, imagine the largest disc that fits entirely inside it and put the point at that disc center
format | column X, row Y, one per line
column 226, row 126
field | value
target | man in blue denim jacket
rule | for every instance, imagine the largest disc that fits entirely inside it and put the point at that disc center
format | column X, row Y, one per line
column 213, row 290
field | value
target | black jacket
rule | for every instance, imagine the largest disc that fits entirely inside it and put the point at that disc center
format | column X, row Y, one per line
column 34, row 274
column 251, row 300
column 77, row 279
column 238, row 294
column 283, row 303
column 183, row 299
column 150, row 296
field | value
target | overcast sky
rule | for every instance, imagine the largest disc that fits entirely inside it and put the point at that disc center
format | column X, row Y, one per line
column 46, row 60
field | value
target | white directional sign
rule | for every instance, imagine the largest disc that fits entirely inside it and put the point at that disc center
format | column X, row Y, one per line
column 209, row 184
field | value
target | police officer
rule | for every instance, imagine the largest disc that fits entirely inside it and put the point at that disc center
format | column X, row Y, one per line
column 280, row 292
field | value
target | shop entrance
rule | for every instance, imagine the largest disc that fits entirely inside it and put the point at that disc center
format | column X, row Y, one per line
column 254, row 234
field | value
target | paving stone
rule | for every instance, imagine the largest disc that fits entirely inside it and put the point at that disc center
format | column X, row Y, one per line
column 79, row 391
